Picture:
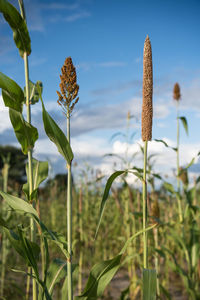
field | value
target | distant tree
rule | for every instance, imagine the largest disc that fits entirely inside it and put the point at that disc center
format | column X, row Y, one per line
column 17, row 161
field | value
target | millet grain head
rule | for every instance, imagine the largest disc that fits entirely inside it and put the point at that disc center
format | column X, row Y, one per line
column 176, row 92
column 68, row 86
column 147, row 107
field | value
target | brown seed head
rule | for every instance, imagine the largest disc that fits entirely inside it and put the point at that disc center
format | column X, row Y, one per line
column 68, row 86
column 147, row 107
column 183, row 175
column 176, row 92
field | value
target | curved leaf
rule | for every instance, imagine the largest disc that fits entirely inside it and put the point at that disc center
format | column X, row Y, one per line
column 57, row 270
column 25, row 132
column 18, row 204
column 105, row 196
column 12, row 94
column 18, row 26
column 57, row 136
column 100, row 276
column 185, row 124
column 107, row 190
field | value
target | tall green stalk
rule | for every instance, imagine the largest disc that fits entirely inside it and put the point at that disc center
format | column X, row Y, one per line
column 69, row 218
column 4, row 250
column 178, row 166
column 68, row 93
column 144, row 201
column 30, row 165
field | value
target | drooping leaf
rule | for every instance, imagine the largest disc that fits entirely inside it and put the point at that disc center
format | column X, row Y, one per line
column 12, row 94
column 40, row 173
column 55, row 134
column 149, row 284
column 18, row 26
column 162, row 141
column 134, row 236
column 100, row 276
column 33, row 92
column 107, row 190
column 25, row 132
column 19, row 205
column 105, row 196
column 185, row 124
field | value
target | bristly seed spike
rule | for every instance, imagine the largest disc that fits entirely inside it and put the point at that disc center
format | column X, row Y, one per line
column 147, row 107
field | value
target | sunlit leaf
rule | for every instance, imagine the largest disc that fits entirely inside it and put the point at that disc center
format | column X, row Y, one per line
column 18, row 26
column 18, row 204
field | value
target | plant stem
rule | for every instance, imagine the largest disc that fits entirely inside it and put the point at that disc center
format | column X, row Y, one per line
column 144, row 197
column 155, row 231
column 81, row 240
column 69, row 218
column 30, row 165
column 5, row 243
column 178, row 168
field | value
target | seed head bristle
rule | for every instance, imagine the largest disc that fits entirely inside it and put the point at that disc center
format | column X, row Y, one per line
column 147, row 107
column 68, row 86
column 176, row 92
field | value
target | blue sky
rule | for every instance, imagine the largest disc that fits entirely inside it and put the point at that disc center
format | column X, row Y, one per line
column 105, row 40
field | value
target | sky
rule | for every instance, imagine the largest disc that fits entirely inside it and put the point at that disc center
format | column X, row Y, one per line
column 105, row 40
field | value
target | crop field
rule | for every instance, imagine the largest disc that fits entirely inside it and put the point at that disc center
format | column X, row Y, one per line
column 132, row 234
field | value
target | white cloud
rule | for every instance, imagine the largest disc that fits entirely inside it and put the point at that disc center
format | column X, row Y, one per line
column 5, row 123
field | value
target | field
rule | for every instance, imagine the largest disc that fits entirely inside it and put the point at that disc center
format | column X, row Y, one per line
column 85, row 235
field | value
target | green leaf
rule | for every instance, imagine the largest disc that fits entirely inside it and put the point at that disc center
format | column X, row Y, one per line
column 18, row 204
column 18, row 26
column 107, row 190
column 190, row 163
column 55, row 134
column 18, row 244
column 25, row 132
column 100, row 276
column 149, row 284
column 12, row 94
column 105, row 196
column 40, row 173
column 185, row 124
column 55, row 237
column 57, row 270
column 33, row 92
column 31, row 251
column 169, row 187
column 134, row 236
column 162, row 141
